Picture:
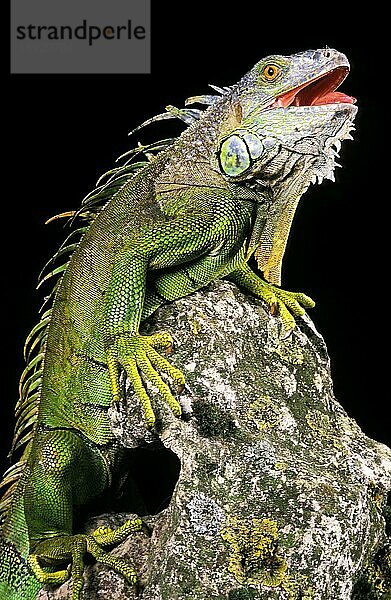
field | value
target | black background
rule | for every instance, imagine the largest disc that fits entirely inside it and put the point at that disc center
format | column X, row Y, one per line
column 66, row 130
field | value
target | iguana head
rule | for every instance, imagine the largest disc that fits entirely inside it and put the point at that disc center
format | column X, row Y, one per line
column 286, row 120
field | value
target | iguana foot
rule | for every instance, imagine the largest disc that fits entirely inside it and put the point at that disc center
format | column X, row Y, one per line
column 74, row 547
column 137, row 353
column 287, row 305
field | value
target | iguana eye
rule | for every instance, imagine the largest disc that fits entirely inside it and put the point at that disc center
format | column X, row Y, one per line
column 270, row 72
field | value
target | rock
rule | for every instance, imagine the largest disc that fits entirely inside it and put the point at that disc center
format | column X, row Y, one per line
column 280, row 495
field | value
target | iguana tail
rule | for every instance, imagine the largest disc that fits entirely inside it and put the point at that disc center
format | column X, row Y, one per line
column 16, row 580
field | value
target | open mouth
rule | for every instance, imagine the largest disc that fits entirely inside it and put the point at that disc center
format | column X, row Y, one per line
column 317, row 92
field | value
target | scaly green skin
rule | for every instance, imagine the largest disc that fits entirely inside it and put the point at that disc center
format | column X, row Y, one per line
column 226, row 188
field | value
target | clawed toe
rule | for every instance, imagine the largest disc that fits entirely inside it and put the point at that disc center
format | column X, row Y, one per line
column 73, row 549
column 287, row 305
column 136, row 354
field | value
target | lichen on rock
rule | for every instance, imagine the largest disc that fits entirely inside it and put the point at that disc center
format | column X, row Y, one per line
column 253, row 557
column 280, row 495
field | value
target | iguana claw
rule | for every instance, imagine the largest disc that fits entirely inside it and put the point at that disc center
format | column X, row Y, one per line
column 285, row 304
column 137, row 353
column 289, row 305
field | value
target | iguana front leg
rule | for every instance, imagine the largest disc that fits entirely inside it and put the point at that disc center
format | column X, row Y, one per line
column 287, row 304
column 135, row 352
column 167, row 246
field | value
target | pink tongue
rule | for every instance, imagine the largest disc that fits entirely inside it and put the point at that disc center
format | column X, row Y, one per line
column 333, row 98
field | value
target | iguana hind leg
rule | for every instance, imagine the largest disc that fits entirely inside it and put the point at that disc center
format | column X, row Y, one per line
column 66, row 470
column 287, row 305
column 73, row 549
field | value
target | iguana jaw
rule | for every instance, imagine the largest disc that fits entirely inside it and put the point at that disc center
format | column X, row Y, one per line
column 318, row 91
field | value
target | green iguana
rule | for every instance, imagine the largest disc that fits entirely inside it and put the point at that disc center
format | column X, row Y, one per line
column 193, row 210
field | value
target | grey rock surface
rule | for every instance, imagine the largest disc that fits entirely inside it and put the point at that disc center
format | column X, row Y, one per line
column 280, row 494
